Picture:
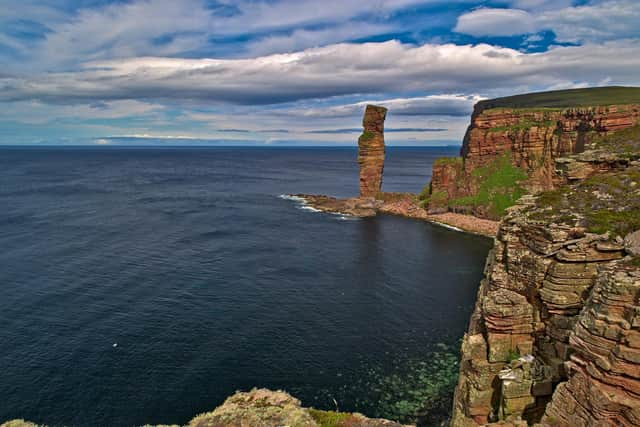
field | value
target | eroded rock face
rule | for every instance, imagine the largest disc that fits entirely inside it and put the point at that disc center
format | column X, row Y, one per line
column 534, row 140
column 371, row 150
column 604, row 367
column 555, row 335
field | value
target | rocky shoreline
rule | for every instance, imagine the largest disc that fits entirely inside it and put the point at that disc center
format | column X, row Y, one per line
column 401, row 204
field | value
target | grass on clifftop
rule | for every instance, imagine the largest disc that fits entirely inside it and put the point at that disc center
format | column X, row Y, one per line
column 625, row 142
column 331, row 418
column 608, row 202
column 567, row 98
column 499, row 187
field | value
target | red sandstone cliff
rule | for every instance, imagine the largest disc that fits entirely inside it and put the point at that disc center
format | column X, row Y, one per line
column 532, row 138
column 371, row 151
column 555, row 335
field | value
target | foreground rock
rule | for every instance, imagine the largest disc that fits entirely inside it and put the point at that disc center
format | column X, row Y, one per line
column 555, row 335
column 266, row 408
column 371, row 151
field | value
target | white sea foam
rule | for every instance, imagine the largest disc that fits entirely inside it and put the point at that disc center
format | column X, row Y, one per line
column 301, row 202
column 342, row 217
column 294, row 198
column 305, row 207
column 450, row 227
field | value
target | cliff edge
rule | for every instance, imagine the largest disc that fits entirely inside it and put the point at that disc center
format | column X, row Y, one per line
column 265, row 408
column 511, row 145
column 554, row 338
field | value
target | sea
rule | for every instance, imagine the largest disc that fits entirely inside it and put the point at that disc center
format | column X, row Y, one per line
column 144, row 285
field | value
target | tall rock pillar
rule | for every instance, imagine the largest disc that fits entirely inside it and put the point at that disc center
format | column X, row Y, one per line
column 371, row 151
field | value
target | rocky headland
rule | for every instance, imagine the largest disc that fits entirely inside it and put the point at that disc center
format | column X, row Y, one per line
column 372, row 200
column 512, row 144
column 554, row 339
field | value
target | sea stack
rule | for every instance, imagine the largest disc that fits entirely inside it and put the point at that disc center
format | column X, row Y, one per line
column 371, row 151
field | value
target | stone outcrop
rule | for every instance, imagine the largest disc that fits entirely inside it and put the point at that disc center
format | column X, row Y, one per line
column 266, row 408
column 532, row 138
column 402, row 204
column 371, row 151
column 355, row 206
column 554, row 339
column 372, row 200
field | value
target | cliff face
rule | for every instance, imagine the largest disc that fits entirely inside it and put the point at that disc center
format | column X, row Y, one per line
column 371, row 151
column 531, row 138
column 555, row 335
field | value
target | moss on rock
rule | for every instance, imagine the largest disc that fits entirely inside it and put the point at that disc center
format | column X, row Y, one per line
column 498, row 187
column 608, row 202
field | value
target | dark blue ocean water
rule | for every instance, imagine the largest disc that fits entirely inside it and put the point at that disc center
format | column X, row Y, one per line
column 209, row 282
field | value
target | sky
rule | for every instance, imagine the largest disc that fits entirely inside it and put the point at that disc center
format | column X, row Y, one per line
column 292, row 72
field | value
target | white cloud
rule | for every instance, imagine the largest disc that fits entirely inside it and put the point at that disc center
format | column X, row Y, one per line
column 445, row 105
column 540, row 4
column 301, row 38
column 37, row 113
column 342, row 69
column 496, row 22
column 171, row 28
column 609, row 20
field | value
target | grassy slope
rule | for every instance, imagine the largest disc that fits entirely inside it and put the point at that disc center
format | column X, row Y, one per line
column 567, row 98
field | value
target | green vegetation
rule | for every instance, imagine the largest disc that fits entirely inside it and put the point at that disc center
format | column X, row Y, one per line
column 437, row 199
column 499, row 187
column 331, row 418
column 367, row 135
column 442, row 161
column 523, row 126
column 513, row 355
column 559, row 99
column 425, row 193
column 422, row 390
column 608, row 202
column 625, row 142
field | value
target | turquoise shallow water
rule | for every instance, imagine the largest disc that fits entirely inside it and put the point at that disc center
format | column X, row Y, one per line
column 209, row 282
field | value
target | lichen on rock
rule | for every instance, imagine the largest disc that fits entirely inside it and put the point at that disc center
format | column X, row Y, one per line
column 371, row 151
column 562, row 287
column 534, row 130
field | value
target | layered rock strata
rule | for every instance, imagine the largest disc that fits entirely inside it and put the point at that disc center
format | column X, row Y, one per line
column 555, row 335
column 533, row 138
column 371, row 151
